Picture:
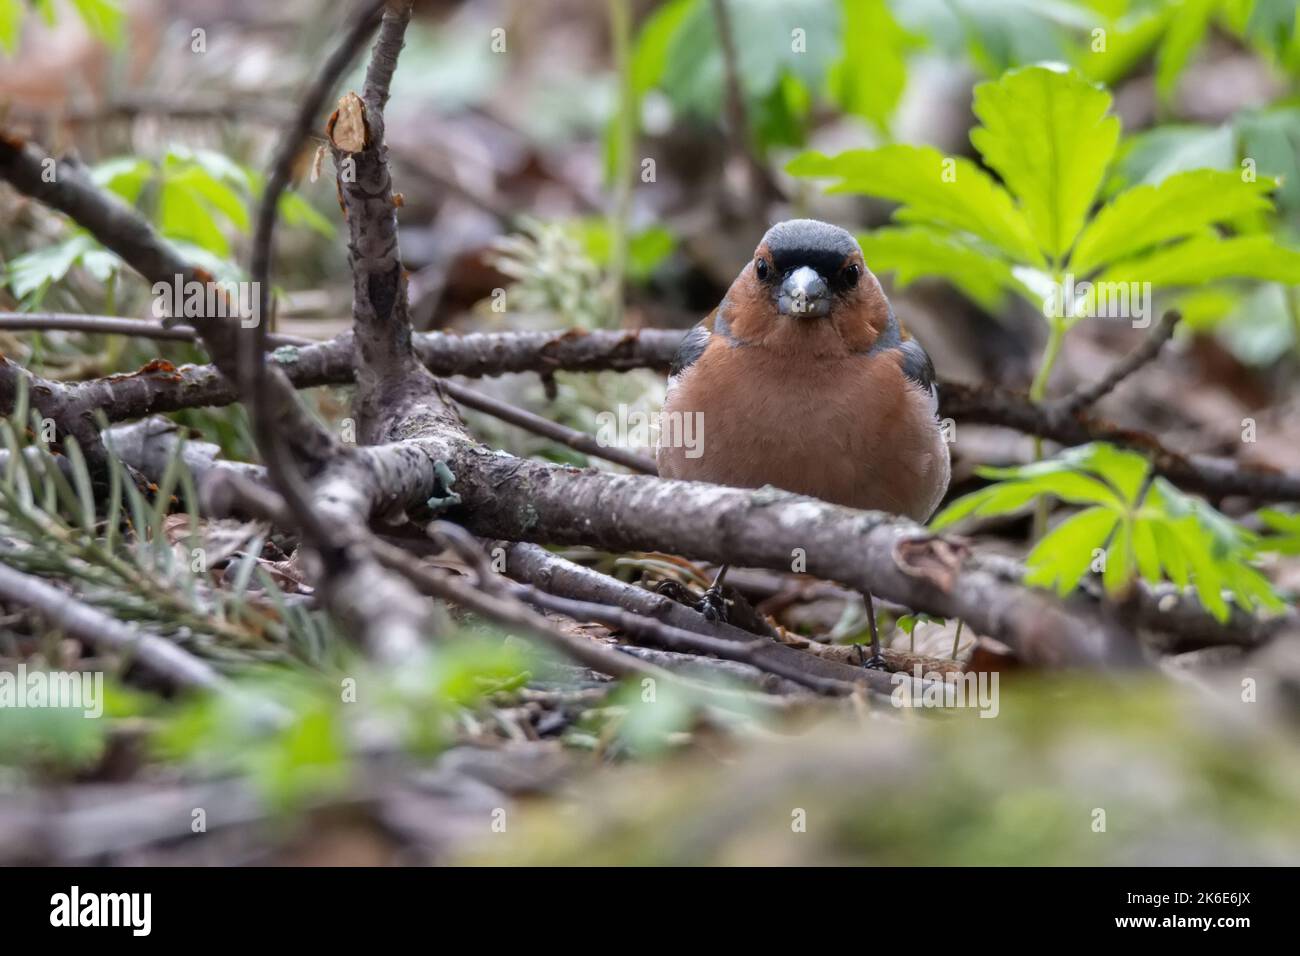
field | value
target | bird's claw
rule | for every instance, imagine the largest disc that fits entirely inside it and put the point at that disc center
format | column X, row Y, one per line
column 713, row 606
column 876, row 662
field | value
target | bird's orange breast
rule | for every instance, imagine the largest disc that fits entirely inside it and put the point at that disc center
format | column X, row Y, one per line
column 852, row 430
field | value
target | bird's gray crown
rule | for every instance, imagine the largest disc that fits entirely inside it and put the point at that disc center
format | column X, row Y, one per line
column 809, row 242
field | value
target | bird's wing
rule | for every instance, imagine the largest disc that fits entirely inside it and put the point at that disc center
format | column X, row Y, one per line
column 918, row 367
column 692, row 347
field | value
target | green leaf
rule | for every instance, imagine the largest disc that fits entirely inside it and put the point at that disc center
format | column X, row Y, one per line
column 1048, row 135
column 35, row 270
column 650, row 53
column 104, row 18
column 124, row 175
column 1275, row 26
column 215, row 164
column 1127, row 45
column 1180, row 206
column 915, row 251
column 645, row 249
column 869, row 81
column 295, row 210
column 1123, row 469
column 1075, row 488
column 1188, row 24
column 1271, row 138
column 1206, row 577
column 1287, row 528
column 931, row 187
column 11, row 22
column 1171, row 553
column 1251, row 590
column 1063, row 556
column 1146, row 552
column 182, row 215
column 1154, row 155
column 999, row 499
column 1007, row 497
column 693, row 76
column 998, row 34
column 1208, row 258
column 213, row 192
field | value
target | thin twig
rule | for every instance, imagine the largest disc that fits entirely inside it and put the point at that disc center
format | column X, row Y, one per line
column 579, row 441
column 160, row 657
column 1089, row 395
column 761, row 179
column 496, row 353
column 508, row 609
column 514, row 415
column 284, row 471
column 649, row 629
column 148, row 445
column 553, row 574
column 124, row 231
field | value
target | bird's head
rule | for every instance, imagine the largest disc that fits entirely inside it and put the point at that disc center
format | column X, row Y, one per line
column 808, row 285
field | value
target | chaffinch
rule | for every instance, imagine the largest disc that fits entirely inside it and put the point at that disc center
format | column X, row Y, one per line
column 802, row 379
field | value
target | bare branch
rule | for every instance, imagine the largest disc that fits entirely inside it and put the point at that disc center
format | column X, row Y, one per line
column 552, row 574
column 476, row 354
column 122, row 230
column 148, row 445
column 505, row 497
column 154, row 654
column 1089, row 395
column 761, row 178
column 280, row 465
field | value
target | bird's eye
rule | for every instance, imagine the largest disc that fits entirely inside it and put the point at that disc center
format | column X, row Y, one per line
column 760, row 268
column 851, row 274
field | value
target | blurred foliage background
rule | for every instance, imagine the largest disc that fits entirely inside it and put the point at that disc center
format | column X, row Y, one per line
column 612, row 164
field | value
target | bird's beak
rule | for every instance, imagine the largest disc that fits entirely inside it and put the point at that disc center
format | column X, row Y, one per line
column 805, row 294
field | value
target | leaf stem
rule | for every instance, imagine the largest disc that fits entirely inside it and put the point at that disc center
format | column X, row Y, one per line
column 625, row 123
column 1037, row 391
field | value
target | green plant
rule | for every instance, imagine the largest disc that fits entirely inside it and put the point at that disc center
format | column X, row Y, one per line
column 568, row 268
column 1134, row 524
column 104, row 19
column 198, row 199
column 1285, row 532
column 1049, row 135
column 127, row 555
column 789, row 54
column 297, row 735
column 1172, row 31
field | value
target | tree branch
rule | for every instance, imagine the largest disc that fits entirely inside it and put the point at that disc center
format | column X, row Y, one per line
column 158, row 656
column 761, row 178
column 149, row 444
column 122, row 230
column 485, row 353
column 255, row 377
column 1089, row 395
column 550, row 574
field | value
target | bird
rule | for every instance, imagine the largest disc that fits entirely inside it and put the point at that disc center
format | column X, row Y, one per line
column 803, row 379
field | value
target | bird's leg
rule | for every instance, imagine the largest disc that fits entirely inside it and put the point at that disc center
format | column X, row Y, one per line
column 712, row 604
column 876, row 661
